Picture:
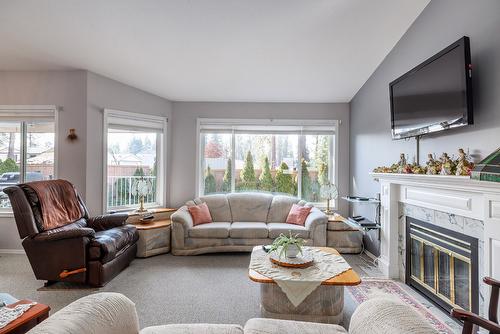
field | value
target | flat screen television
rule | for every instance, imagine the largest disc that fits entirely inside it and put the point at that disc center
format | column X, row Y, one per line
column 435, row 95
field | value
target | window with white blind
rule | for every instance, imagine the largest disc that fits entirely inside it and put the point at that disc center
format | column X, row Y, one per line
column 27, row 146
column 134, row 146
column 293, row 157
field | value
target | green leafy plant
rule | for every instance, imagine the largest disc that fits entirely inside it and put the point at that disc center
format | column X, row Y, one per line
column 282, row 243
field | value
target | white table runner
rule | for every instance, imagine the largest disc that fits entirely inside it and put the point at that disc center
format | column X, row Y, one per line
column 297, row 283
column 7, row 314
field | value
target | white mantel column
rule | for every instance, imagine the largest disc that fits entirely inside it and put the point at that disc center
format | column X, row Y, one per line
column 389, row 233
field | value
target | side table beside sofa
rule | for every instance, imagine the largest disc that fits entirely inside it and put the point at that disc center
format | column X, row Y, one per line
column 154, row 234
column 343, row 235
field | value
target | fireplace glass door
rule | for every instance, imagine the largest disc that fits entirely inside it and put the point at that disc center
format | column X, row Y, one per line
column 441, row 268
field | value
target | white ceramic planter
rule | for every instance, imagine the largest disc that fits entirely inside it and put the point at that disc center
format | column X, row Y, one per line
column 292, row 251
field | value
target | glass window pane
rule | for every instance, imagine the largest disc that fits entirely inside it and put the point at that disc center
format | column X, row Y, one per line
column 216, row 163
column 10, row 155
column 132, row 156
column 286, row 163
column 316, row 167
column 251, row 153
column 40, row 151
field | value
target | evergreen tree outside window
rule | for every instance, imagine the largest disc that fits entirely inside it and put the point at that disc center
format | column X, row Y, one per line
column 267, row 156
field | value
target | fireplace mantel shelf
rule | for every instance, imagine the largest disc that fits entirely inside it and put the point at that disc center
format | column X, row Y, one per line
column 460, row 183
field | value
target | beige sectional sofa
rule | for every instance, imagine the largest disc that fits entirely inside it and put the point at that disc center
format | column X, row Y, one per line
column 242, row 221
column 113, row 313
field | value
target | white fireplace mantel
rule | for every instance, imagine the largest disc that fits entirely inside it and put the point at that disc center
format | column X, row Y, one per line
column 458, row 195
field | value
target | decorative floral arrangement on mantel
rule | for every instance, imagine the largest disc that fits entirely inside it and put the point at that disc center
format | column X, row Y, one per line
column 442, row 166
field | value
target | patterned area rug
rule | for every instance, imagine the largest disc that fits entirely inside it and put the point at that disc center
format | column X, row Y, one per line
column 371, row 288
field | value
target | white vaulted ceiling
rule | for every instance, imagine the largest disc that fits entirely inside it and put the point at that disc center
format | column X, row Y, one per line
column 210, row 50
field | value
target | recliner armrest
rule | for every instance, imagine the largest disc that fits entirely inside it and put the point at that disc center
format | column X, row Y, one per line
column 106, row 222
column 59, row 234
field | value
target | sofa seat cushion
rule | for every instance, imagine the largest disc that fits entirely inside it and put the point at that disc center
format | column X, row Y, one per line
column 193, row 329
column 275, row 326
column 108, row 244
column 248, row 230
column 275, row 229
column 210, row 230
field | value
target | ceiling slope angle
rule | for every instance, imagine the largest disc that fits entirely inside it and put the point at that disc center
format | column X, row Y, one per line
column 224, row 50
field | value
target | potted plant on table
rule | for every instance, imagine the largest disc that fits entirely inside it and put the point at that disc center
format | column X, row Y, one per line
column 288, row 245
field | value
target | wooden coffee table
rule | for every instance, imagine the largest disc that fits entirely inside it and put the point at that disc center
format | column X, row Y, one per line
column 32, row 317
column 325, row 304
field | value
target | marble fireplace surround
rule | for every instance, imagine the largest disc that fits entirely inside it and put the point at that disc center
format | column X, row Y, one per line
column 454, row 202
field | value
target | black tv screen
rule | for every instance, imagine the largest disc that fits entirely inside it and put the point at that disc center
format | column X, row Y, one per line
column 435, row 95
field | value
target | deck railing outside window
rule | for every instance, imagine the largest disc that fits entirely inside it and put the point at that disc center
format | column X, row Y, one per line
column 120, row 191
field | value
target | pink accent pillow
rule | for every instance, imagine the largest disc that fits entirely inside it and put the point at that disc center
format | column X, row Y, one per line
column 298, row 214
column 200, row 214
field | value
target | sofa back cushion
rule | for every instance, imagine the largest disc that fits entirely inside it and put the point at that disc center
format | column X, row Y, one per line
column 249, row 207
column 280, row 207
column 218, row 206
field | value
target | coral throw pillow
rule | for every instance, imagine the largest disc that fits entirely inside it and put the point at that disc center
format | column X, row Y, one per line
column 298, row 215
column 200, row 214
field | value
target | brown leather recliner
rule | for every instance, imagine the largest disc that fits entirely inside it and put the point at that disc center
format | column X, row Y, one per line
column 89, row 250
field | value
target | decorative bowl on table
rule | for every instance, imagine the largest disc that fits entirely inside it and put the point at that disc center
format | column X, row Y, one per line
column 303, row 260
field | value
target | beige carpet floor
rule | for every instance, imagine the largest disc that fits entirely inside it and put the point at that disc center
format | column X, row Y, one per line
column 171, row 289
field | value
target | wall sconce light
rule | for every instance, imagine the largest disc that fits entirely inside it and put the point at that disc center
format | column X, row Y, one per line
column 72, row 135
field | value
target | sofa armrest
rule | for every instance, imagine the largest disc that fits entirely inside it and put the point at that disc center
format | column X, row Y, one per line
column 105, row 312
column 315, row 218
column 59, row 234
column 383, row 315
column 182, row 218
column 106, row 222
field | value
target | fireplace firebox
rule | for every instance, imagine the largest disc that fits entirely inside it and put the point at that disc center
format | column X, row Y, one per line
column 442, row 265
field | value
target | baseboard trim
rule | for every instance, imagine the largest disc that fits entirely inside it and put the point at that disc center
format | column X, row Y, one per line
column 12, row 251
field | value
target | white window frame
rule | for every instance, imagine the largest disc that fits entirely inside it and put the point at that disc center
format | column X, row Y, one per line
column 245, row 123
column 133, row 119
column 13, row 113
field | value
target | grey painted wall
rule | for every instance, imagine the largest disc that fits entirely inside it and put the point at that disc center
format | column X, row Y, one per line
column 441, row 23
column 65, row 89
column 104, row 93
column 183, row 157
column 82, row 96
